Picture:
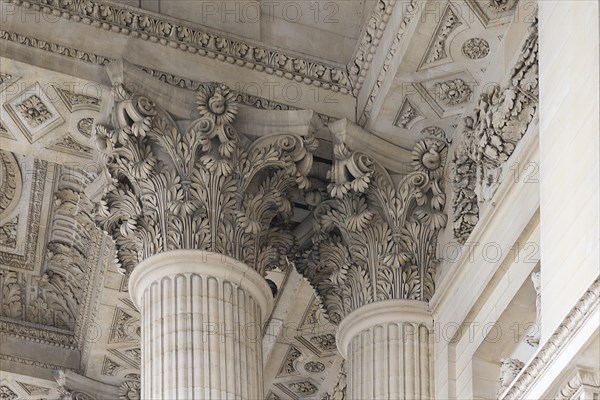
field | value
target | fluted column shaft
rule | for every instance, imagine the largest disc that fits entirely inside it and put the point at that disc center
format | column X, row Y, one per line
column 201, row 318
column 387, row 346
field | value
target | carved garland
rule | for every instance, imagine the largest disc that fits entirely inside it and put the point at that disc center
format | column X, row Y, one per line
column 490, row 136
column 376, row 238
column 206, row 187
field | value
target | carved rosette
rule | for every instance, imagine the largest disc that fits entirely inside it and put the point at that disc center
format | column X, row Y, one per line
column 491, row 134
column 376, row 237
column 204, row 187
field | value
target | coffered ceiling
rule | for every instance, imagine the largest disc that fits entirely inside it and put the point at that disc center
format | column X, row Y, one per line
column 400, row 70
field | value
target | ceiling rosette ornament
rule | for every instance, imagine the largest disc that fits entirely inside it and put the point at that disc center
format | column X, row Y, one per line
column 198, row 185
column 376, row 237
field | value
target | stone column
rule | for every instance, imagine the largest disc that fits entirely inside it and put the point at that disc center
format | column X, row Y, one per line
column 387, row 347
column 373, row 264
column 201, row 319
column 198, row 213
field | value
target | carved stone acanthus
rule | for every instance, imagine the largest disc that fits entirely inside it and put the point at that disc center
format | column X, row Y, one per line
column 10, row 182
column 289, row 364
column 407, row 114
column 533, row 339
column 324, row 342
column 435, row 132
column 110, row 367
column 5, row 77
column 8, row 233
column 84, row 126
column 465, row 204
column 206, row 187
column 7, row 394
column 453, row 92
column 376, row 238
column 34, row 111
column 491, row 134
column 476, row 48
column 130, row 390
column 314, row 367
column 54, row 299
column 304, row 388
column 509, row 369
column 437, row 50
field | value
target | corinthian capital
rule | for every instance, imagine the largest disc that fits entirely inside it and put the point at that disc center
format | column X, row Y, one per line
column 376, row 237
column 199, row 184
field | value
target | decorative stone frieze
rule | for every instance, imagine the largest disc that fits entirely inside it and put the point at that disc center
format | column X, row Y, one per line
column 54, row 48
column 376, row 238
column 490, row 136
column 204, row 187
column 143, row 25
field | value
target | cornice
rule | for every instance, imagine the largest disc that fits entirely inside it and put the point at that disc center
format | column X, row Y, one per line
column 168, row 31
column 55, row 48
column 242, row 98
column 576, row 318
column 369, row 43
column 387, row 64
column 37, row 334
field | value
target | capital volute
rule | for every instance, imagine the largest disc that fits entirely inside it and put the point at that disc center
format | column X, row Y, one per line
column 376, row 237
column 198, row 184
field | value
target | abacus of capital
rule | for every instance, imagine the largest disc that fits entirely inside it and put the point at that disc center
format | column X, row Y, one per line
column 199, row 213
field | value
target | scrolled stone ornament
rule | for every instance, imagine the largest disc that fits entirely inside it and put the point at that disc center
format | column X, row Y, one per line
column 204, row 187
column 376, row 235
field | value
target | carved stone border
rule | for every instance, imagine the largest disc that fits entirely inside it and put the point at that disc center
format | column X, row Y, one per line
column 38, row 334
column 27, row 260
column 385, row 69
column 130, row 21
column 578, row 315
column 242, row 98
column 54, row 48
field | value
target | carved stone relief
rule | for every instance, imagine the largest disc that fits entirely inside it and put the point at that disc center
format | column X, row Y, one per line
column 34, row 111
column 491, row 134
column 177, row 189
column 7, row 394
column 510, row 368
column 453, row 92
column 533, row 339
column 376, row 236
column 437, row 50
column 407, row 115
column 476, row 48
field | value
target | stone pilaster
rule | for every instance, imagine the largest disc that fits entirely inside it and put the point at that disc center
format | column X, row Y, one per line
column 199, row 213
column 373, row 265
